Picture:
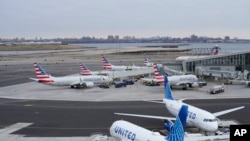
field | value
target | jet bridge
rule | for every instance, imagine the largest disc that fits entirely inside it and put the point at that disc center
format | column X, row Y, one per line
column 130, row 73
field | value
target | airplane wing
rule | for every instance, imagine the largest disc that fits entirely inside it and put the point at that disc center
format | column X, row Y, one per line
column 182, row 83
column 34, row 79
column 149, row 80
column 201, row 138
column 154, row 101
column 147, row 116
column 227, row 111
column 82, row 83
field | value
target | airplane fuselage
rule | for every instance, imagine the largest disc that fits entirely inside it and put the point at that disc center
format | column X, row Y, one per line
column 175, row 80
column 196, row 116
column 70, row 80
column 123, row 68
column 127, row 131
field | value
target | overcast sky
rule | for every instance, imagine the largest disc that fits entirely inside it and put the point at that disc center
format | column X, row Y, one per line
column 140, row 18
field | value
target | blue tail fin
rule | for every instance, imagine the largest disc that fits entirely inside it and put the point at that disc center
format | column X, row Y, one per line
column 168, row 92
column 178, row 130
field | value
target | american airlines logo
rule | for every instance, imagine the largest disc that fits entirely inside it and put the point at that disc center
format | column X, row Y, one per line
column 125, row 133
column 92, row 79
column 186, row 78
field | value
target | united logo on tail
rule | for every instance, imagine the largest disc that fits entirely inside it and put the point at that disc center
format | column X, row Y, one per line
column 178, row 129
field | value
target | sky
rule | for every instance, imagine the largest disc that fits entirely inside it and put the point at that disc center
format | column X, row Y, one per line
column 139, row 18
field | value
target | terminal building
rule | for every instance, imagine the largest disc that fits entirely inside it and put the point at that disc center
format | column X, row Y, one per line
column 230, row 65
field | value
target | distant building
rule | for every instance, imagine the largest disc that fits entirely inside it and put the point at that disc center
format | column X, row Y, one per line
column 116, row 37
column 111, row 37
column 227, row 38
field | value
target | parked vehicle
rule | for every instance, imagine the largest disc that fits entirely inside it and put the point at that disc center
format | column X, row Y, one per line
column 120, row 84
column 129, row 82
column 217, row 89
column 104, row 86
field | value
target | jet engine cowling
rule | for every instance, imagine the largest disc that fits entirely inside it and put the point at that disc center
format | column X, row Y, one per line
column 194, row 85
column 89, row 84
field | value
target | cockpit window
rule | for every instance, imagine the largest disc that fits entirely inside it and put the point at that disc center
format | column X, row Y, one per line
column 209, row 120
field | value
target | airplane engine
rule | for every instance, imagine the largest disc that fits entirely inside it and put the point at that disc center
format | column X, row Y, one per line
column 195, row 84
column 168, row 126
column 89, row 84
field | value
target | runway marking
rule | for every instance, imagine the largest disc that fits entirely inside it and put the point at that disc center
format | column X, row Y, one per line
column 141, row 94
column 27, row 105
column 86, row 128
column 77, row 107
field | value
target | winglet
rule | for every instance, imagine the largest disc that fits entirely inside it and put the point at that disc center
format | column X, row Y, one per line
column 168, row 92
column 178, row 130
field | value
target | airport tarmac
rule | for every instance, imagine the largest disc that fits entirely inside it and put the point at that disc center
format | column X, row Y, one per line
column 38, row 91
column 54, row 111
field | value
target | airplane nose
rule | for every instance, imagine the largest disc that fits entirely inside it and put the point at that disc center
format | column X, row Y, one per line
column 214, row 126
column 109, row 79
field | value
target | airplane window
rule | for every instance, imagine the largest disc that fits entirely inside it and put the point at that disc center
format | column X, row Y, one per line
column 209, row 120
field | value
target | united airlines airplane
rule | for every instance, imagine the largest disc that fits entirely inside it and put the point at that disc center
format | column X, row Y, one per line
column 126, row 131
column 196, row 117
column 75, row 81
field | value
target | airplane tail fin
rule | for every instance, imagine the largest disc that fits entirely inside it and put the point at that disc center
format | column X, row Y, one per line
column 146, row 61
column 84, row 70
column 178, row 130
column 157, row 71
column 158, row 76
column 41, row 74
column 105, row 62
column 168, row 91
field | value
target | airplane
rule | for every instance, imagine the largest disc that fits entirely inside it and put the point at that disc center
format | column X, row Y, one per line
column 197, row 117
column 214, row 51
column 174, row 80
column 85, row 71
column 126, row 131
column 148, row 63
column 107, row 65
column 74, row 81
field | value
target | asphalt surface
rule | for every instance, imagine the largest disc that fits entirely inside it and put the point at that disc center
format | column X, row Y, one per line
column 65, row 119
column 75, row 118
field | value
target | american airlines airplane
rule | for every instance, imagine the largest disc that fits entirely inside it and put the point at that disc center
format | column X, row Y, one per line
column 214, row 51
column 107, row 65
column 197, row 117
column 174, row 80
column 126, row 131
column 85, row 71
column 75, row 81
column 148, row 63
